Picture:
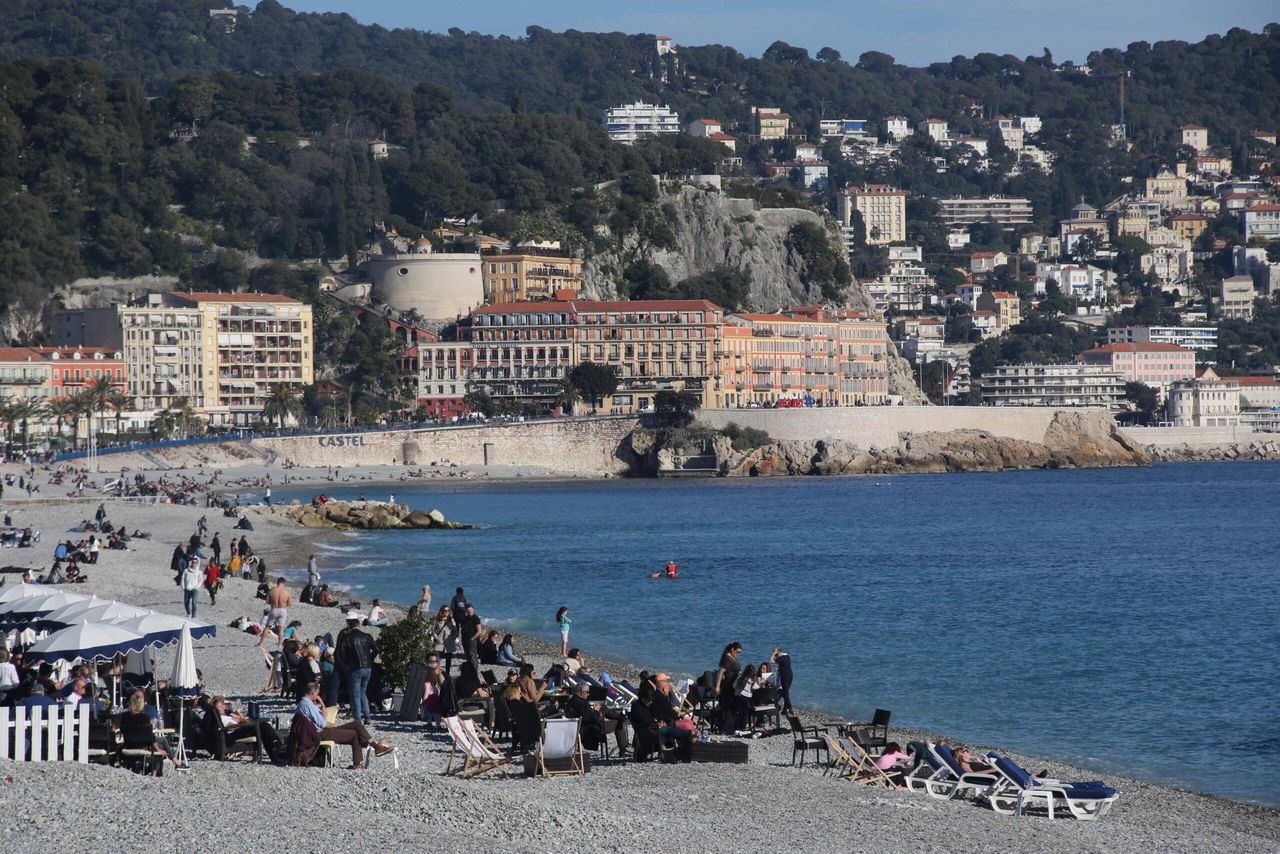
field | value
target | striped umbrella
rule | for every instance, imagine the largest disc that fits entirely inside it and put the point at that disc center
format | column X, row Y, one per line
column 24, row 590
column 165, row 629
column 22, row 611
column 86, row 641
column 104, row 612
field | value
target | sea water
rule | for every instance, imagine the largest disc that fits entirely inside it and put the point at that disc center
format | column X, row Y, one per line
column 1123, row 619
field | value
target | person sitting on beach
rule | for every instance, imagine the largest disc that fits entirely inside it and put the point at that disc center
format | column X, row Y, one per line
column 324, row 599
column 575, row 662
column 238, row 726
column 137, row 720
column 489, row 648
column 377, row 616
column 291, row 631
column 969, row 763
column 894, row 763
column 507, row 652
column 308, row 667
column 311, row 709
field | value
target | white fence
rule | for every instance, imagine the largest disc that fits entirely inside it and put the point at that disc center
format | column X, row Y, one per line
column 48, row 734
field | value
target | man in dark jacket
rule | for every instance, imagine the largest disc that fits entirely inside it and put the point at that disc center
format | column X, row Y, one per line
column 596, row 725
column 354, row 655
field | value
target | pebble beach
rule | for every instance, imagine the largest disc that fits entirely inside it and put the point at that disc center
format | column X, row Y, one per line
column 766, row 804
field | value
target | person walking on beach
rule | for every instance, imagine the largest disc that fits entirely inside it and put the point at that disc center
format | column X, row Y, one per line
column 216, row 547
column 470, row 630
column 279, row 598
column 190, row 582
column 212, row 581
column 562, row 619
column 268, row 496
column 313, row 572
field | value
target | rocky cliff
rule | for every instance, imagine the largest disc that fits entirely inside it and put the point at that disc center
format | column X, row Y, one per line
column 1073, row 440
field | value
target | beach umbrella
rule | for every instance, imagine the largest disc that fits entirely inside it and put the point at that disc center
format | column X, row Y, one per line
column 24, row 590
column 105, row 612
column 61, row 615
column 22, row 611
column 165, row 629
column 184, row 684
column 87, row 641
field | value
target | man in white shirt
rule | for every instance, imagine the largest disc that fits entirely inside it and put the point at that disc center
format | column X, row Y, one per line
column 190, row 583
column 8, row 675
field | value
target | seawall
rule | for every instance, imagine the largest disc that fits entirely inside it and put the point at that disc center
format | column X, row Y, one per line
column 882, row 426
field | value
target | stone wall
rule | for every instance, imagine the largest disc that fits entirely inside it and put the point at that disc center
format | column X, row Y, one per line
column 570, row 447
column 1194, row 437
column 881, row 425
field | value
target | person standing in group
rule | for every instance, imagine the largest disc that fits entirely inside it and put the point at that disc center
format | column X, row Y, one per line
column 470, row 630
column 190, row 582
column 563, row 621
column 782, row 661
column 446, row 635
column 423, row 608
column 458, row 604
column 216, row 547
column 354, row 655
column 726, row 675
column 279, row 598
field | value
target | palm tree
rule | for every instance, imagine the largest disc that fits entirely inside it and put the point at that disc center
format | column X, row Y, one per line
column 118, row 401
column 98, row 397
column 25, row 411
column 184, row 416
column 282, row 404
column 9, row 418
column 568, row 398
column 64, row 409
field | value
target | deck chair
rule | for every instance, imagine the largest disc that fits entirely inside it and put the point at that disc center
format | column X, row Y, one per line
column 806, row 739
column 867, row 770
column 839, row 762
column 1018, row 790
column 478, row 754
column 561, row 740
column 138, row 748
column 928, row 769
column 958, row 781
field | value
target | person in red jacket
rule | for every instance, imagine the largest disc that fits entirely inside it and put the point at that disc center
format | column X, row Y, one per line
column 212, row 580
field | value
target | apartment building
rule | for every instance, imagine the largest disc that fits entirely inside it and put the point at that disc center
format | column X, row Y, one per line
column 771, row 122
column 522, row 351
column 529, row 272
column 444, row 370
column 883, row 209
column 1155, row 365
column 631, row 122
column 1236, row 301
column 1053, row 385
column 1194, row 136
column 811, row 356
column 222, row 353
column 1261, row 220
column 1204, row 401
column 1188, row 337
column 999, row 209
column 48, row 373
column 1005, row 306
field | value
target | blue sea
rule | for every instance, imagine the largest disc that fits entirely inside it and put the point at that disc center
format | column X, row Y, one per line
column 1124, row 619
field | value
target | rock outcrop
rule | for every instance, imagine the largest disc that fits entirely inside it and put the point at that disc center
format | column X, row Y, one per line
column 1073, row 440
column 365, row 515
column 1255, row 451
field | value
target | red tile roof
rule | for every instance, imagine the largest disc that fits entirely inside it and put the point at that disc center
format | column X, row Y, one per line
column 585, row 306
column 1256, row 381
column 1003, row 295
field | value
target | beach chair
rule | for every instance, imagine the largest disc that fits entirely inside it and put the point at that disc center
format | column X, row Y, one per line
column 957, row 781
column 1018, row 790
column 806, row 739
column 876, row 731
column 478, row 753
column 330, row 719
column 839, row 762
column 764, row 706
column 928, row 769
column 138, row 748
column 866, row 769
column 561, row 743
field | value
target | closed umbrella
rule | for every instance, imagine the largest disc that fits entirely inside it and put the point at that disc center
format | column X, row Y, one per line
column 87, row 641
column 165, row 629
column 24, row 590
column 185, row 684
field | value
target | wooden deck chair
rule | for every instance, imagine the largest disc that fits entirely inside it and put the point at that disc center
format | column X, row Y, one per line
column 839, row 762
column 479, row 754
column 867, row 771
column 561, row 740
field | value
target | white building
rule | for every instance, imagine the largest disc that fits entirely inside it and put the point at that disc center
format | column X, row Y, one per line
column 1261, row 221
column 999, row 209
column 1206, row 401
column 897, row 128
column 936, row 129
column 1190, row 337
column 1053, row 385
column 1083, row 282
column 842, row 128
column 1237, row 298
column 1030, row 124
column 883, row 209
column 704, row 127
column 631, row 122
column 438, row 285
column 1252, row 261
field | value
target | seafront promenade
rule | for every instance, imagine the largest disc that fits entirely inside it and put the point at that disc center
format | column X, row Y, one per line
column 702, row 807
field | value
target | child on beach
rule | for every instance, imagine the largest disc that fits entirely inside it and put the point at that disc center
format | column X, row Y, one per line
column 562, row 618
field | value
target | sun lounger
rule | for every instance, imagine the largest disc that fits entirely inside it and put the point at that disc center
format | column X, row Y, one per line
column 957, row 781
column 928, row 769
column 1017, row 790
column 479, row 754
column 561, row 740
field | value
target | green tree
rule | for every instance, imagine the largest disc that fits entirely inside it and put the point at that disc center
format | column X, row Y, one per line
column 679, row 406
column 594, row 382
column 568, row 396
column 1144, row 399
column 283, row 405
column 479, row 401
